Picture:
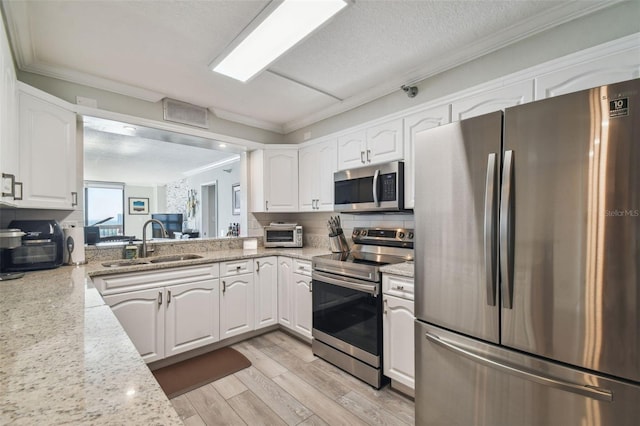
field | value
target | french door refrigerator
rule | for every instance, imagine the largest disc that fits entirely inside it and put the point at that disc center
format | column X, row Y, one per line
column 528, row 264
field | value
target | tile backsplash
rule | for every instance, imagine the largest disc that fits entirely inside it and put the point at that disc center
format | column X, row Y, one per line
column 315, row 223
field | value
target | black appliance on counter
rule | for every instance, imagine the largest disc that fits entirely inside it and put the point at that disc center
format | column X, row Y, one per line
column 42, row 246
column 347, row 301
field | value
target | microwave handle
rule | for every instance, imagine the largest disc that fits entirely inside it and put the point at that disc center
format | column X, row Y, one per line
column 375, row 187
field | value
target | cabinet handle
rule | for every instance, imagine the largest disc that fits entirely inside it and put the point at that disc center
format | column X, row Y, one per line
column 257, row 266
column 12, row 178
column 224, row 286
column 168, row 297
column 17, row 194
column 310, row 286
column 362, row 157
column 399, row 287
column 266, row 205
column 159, row 298
column 74, row 199
column 238, row 268
column 368, row 156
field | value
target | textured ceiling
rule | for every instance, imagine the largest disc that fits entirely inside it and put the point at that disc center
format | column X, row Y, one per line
column 153, row 49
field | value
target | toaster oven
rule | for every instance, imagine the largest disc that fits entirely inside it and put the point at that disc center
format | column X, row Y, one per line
column 283, row 235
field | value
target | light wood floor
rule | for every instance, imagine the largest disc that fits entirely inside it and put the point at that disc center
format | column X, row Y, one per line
column 287, row 384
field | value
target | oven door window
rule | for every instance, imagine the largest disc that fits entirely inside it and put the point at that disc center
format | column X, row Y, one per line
column 285, row 236
column 348, row 315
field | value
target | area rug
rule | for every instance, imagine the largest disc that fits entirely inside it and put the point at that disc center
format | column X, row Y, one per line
column 192, row 373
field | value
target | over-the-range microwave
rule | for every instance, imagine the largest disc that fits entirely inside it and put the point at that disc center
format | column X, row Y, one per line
column 378, row 188
column 283, row 235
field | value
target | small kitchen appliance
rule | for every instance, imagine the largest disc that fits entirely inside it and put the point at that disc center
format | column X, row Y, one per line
column 283, row 235
column 347, row 300
column 42, row 246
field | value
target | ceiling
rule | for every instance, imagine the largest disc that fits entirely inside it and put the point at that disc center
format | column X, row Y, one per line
column 137, row 155
column 157, row 49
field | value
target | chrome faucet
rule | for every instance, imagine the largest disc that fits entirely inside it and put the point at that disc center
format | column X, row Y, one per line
column 144, row 234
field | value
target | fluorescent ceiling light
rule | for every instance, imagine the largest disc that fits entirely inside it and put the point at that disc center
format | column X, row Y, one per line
column 289, row 23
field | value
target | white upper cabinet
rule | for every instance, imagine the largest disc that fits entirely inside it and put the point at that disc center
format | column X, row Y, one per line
column 414, row 123
column 377, row 144
column 620, row 66
column 47, row 134
column 492, row 100
column 318, row 162
column 274, row 180
column 8, row 122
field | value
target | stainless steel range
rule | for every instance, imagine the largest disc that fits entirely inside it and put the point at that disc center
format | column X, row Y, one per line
column 347, row 300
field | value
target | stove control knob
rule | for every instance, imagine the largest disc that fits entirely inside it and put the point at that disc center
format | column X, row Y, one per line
column 401, row 234
column 355, row 233
column 411, row 235
column 363, row 232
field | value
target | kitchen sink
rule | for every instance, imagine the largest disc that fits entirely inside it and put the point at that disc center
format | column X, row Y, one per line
column 174, row 258
column 130, row 262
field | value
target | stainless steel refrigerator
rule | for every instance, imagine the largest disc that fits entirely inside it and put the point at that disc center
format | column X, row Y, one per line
column 528, row 264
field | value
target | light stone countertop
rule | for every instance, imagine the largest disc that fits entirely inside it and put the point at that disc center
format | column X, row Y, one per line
column 64, row 357
column 405, row 269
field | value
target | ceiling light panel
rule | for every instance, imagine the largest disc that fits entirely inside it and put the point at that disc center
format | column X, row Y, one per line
column 281, row 29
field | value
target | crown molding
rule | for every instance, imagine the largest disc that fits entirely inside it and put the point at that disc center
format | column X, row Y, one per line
column 248, row 121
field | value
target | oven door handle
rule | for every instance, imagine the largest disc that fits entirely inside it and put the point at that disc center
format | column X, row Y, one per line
column 345, row 282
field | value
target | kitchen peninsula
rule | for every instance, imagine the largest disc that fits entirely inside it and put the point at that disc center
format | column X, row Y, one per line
column 66, row 358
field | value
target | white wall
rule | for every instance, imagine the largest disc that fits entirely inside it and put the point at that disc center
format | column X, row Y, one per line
column 133, row 222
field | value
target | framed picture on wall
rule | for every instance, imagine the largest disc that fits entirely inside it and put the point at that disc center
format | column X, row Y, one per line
column 235, row 199
column 138, row 205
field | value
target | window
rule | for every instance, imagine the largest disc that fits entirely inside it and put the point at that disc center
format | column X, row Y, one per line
column 104, row 206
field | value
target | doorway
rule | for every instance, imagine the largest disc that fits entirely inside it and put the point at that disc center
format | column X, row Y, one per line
column 209, row 210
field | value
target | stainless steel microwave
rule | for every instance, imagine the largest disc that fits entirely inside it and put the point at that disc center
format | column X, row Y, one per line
column 370, row 189
column 283, row 235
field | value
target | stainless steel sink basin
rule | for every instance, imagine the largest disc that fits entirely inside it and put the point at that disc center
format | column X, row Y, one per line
column 130, row 262
column 174, row 258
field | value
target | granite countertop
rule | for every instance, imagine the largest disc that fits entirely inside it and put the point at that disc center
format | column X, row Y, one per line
column 66, row 359
column 405, row 269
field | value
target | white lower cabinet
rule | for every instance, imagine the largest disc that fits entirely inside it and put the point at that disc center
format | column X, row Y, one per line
column 398, row 337
column 141, row 314
column 294, row 295
column 192, row 319
column 285, row 290
column 266, row 291
column 237, row 299
column 166, row 320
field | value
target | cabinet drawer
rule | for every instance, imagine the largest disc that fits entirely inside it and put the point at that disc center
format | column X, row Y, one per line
column 398, row 286
column 302, row 267
column 117, row 283
column 236, row 267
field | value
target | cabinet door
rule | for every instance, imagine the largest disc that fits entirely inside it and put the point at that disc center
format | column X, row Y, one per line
column 285, row 292
column 492, row 100
column 413, row 124
column 308, row 174
column 327, row 163
column 141, row 314
column 384, row 142
column 398, row 340
column 266, row 291
column 302, row 304
column 236, row 305
column 351, row 150
column 8, row 122
column 192, row 317
column 47, row 136
column 281, row 180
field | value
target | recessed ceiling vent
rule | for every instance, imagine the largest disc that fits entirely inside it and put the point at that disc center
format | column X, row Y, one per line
column 184, row 113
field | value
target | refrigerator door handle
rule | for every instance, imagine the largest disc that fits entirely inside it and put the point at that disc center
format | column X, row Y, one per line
column 489, row 230
column 506, row 231
column 594, row 392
